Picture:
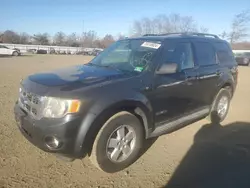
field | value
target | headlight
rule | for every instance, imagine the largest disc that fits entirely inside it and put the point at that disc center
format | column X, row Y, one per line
column 57, row 108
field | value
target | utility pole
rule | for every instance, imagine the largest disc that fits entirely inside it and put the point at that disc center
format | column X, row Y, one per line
column 82, row 32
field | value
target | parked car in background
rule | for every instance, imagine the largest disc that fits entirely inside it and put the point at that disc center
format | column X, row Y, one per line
column 52, row 51
column 61, row 52
column 68, row 52
column 243, row 58
column 18, row 51
column 33, row 51
column 41, row 51
column 81, row 53
column 4, row 50
column 96, row 52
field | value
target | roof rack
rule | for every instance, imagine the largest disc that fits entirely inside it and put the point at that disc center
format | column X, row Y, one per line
column 186, row 33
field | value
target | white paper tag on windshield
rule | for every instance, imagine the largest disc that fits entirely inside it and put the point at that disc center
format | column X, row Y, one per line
column 151, row 45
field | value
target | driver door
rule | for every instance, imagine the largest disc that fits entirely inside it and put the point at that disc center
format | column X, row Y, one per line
column 176, row 94
column 3, row 50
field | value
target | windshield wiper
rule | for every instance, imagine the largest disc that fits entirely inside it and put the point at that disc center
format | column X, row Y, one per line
column 111, row 67
column 105, row 66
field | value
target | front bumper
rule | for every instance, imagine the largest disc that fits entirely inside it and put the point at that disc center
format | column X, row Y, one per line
column 65, row 130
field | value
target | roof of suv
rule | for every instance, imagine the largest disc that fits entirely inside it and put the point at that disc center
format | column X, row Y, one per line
column 193, row 35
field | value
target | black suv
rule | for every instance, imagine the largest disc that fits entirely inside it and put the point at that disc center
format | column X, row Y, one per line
column 136, row 89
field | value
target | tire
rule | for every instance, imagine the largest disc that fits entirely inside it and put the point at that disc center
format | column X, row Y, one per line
column 246, row 61
column 225, row 94
column 15, row 53
column 101, row 155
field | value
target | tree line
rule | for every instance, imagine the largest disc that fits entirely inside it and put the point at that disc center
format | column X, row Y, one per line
column 86, row 39
column 174, row 23
column 160, row 24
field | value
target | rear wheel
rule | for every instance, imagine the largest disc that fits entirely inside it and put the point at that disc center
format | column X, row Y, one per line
column 220, row 105
column 118, row 143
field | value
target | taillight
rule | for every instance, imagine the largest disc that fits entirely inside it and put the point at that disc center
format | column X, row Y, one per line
column 236, row 73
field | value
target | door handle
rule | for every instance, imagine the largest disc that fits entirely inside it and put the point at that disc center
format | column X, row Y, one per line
column 188, row 80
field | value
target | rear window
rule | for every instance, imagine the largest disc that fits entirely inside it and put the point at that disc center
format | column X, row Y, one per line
column 205, row 53
column 224, row 53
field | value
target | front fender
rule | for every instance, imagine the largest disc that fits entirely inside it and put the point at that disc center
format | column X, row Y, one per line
column 104, row 108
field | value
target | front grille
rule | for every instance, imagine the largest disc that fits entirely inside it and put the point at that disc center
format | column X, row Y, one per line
column 31, row 103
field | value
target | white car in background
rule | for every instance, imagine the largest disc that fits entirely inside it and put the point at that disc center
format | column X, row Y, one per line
column 4, row 50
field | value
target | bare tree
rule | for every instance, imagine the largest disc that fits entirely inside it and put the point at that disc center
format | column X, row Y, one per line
column 10, row 37
column 42, row 39
column 59, row 38
column 157, row 25
column 73, row 40
column 147, row 25
column 107, row 40
column 203, row 29
column 166, row 24
column 239, row 27
column 88, row 38
column 24, row 38
column 137, row 29
column 224, row 35
column 98, row 44
column 121, row 37
column 1, row 37
column 187, row 24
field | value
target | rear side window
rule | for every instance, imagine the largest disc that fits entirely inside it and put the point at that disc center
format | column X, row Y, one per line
column 224, row 53
column 205, row 53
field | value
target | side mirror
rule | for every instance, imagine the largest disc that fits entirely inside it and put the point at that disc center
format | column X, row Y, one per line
column 168, row 68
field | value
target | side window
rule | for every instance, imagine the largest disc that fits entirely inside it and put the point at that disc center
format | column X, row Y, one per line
column 180, row 53
column 224, row 53
column 205, row 53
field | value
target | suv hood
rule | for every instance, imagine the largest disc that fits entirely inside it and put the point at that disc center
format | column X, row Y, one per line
column 82, row 74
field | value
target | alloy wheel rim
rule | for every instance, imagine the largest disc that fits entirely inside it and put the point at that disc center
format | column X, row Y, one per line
column 121, row 143
column 222, row 106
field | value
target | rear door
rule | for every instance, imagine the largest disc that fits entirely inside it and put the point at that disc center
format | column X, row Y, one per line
column 227, row 63
column 176, row 94
column 209, row 71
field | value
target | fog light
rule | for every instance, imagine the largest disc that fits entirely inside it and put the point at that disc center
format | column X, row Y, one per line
column 52, row 142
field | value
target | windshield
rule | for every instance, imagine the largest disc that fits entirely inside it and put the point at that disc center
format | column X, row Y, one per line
column 4, row 47
column 128, row 55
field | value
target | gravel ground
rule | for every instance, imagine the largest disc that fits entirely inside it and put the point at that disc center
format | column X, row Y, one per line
column 198, row 155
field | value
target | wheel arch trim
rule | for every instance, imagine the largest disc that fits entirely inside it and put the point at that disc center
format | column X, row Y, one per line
column 93, row 121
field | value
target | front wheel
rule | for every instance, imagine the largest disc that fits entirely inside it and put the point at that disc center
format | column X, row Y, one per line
column 220, row 106
column 15, row 53
column 118, row 143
